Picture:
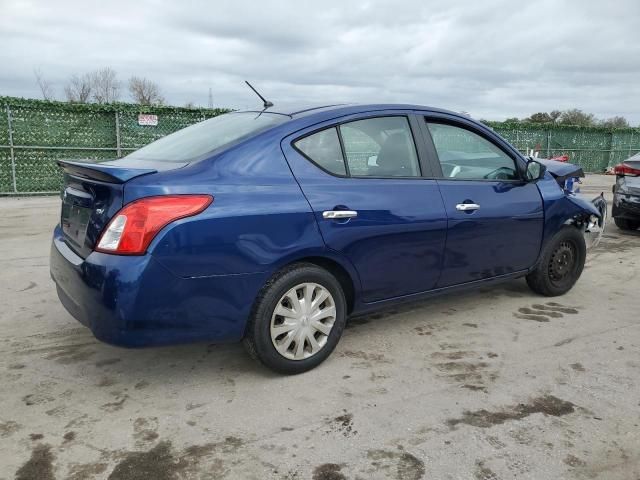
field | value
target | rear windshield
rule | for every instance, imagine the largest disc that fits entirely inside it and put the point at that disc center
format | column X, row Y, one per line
column 195, row 142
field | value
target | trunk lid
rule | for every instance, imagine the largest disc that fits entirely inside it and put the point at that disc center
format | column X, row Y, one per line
column 633, row 162
column 92, row 194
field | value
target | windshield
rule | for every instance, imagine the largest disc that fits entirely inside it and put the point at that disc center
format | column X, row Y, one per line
column 194, row 142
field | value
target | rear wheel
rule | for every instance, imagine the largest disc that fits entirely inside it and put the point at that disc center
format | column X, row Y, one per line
column 297, row 319
column 624, row 224
column 560, row 264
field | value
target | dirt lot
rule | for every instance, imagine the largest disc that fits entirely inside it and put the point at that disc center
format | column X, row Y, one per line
column 493, row 384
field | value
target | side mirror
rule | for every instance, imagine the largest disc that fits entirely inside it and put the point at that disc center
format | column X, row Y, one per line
column 535, row 170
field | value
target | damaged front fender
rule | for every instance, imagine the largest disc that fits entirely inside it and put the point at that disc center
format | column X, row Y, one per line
column 565, row 208
column 591, row 215
column 593, row 218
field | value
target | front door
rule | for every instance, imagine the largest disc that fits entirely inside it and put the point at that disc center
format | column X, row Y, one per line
column 495, row 218
column 363, row 180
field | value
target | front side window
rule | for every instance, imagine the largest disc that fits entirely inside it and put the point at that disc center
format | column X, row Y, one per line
column 323, row 148
column 380, row 147
column 466, row 155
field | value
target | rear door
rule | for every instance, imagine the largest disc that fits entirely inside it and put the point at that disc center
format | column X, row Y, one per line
column 365, row 182
column 495, row 218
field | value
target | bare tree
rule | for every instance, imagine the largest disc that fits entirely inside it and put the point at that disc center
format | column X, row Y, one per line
column 105, row 85
column 79, row 89
column 46, row 88
column 145, row 92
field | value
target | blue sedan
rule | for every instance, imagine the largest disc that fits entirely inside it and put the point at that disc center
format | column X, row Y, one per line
column 274, row 226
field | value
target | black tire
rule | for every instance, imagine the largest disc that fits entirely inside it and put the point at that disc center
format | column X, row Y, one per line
column 625, row 224
column 560, row 264
column 258, row 341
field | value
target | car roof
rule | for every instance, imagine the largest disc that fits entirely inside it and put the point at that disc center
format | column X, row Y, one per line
column 302, row 110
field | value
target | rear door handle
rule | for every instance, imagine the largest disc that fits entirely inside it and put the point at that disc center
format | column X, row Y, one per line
column 466, row 207
column 338, row 214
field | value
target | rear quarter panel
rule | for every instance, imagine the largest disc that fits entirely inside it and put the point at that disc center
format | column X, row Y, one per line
column 259, row 219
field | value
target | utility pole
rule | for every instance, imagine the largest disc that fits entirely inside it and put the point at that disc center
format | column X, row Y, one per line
column 210, row 98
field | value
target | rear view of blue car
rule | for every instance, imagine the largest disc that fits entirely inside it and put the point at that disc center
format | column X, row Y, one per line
column 273, row 227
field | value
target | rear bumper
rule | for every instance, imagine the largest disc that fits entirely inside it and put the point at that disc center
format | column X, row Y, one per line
column 134, row 301
column 626, row 206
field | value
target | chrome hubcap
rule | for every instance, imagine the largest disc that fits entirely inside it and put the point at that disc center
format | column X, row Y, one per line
column 302, row 321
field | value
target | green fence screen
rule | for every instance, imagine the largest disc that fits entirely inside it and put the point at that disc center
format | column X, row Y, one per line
column 35, row 133
column 593, row 148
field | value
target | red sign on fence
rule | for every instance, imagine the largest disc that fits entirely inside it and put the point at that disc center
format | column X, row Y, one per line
column 146, row 119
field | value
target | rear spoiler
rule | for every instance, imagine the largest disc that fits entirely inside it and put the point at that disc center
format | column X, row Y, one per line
column 101, row 171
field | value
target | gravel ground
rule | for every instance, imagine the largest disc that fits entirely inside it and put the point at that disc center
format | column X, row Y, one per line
column 493, row 384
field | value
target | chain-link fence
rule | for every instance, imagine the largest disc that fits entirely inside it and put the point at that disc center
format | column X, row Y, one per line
column 35, row 133
column 593, row 148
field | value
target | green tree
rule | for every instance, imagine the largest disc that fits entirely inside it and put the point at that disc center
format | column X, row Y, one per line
column 577, row 117
column 540, row 117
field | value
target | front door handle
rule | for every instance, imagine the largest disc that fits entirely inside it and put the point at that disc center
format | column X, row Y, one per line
column 339, row 214
column 466, row 207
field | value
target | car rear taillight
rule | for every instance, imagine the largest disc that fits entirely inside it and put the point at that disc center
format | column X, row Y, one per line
column 624, row 169
column 134, row 227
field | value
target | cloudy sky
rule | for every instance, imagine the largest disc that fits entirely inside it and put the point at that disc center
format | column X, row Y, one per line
column 492, row 58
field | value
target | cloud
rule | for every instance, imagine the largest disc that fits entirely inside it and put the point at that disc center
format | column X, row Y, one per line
column 494, row 59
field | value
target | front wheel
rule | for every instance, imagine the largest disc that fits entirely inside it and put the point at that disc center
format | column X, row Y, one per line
column 297, row 319
column 560, row 264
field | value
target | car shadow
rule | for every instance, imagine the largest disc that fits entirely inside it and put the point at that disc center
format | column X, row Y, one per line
column 217, row 363
column 432, row 305
column 629, row 233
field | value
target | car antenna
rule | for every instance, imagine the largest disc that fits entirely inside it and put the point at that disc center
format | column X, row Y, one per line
column 265, row 102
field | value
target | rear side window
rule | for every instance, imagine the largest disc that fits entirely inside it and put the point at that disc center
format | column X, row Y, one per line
column 195, row 142
column 380, row 147
column 323, row 148
column 466, row 155
column 375, row 147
